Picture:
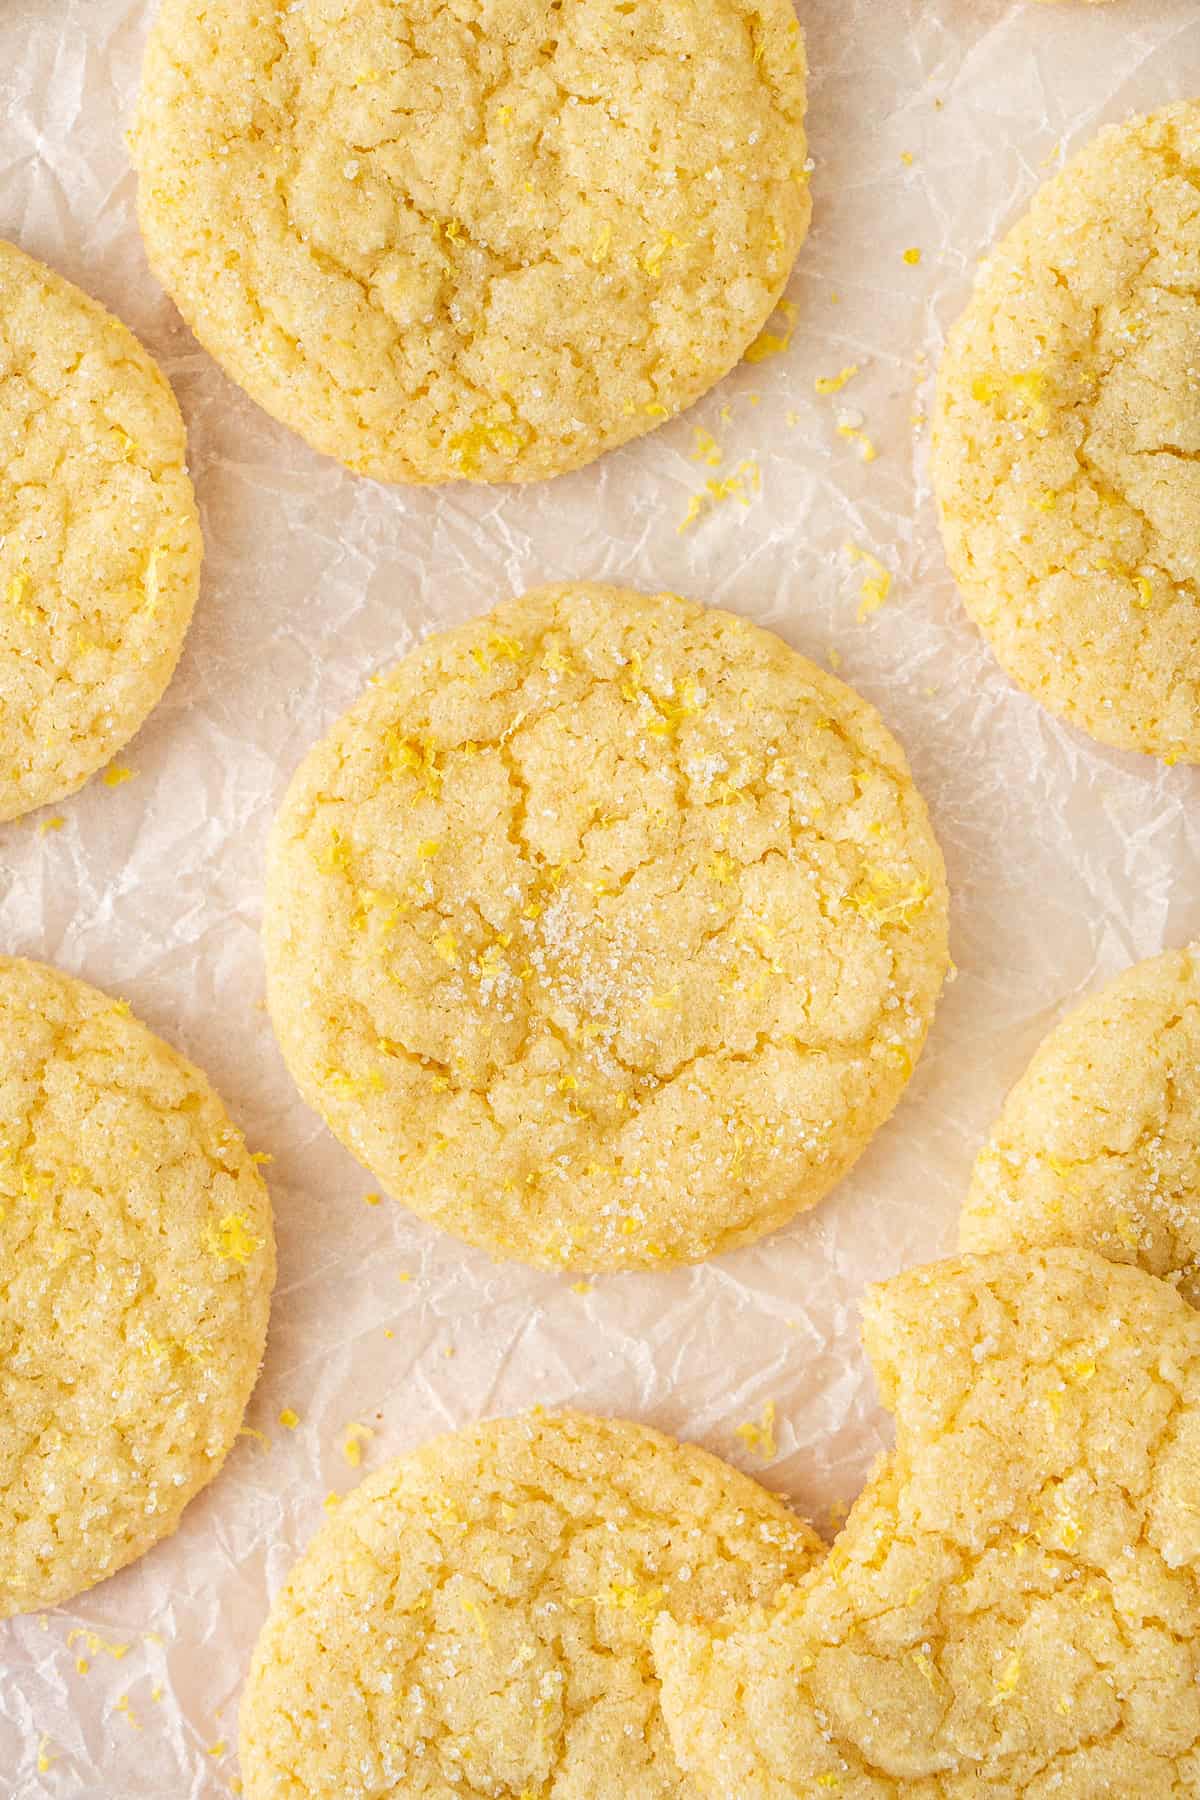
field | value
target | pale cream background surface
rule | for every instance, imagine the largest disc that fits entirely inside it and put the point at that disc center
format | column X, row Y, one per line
column 1066, row 861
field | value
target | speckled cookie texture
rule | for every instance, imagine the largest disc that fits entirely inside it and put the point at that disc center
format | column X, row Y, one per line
column 1067, row 441
column 1098, row 1144
column 99, row 536
column 475, row 1619
column 135, row 1238
column 485, row 240
column 1013, row 1606
column 605, row 929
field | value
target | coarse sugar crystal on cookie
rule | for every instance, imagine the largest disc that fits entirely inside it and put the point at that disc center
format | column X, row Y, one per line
column 138, row 1256
column 1067, row 443
column 1098, row 1144
column 475, row 1619
column 482, row 241
column 99, row 536
column 605, row 929
column 1012, row 1608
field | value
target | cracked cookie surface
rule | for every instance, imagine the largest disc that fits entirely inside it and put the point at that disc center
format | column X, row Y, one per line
column 1013, row 1606
column 1067, row 442
column 138, row 1260
column 1098, row 1144
column 475, row 1619
column 486, row 240
column 99, row 536
column 605, row 929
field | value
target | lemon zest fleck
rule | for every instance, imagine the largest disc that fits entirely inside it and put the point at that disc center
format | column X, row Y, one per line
column 877, row 584
column 833, row 384
column 771, row 343
column 759, row 1436
column 352, row 1444
column 231, row 1239
column 740, row 485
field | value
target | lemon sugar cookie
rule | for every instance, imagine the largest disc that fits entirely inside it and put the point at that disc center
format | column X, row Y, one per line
column 480, row 242
column 99, row 536
column 1013, row 1605
column 1098, row 1144
column 475, row 1619
column 138, row 1258
column 605, row 930
column 1067, row 438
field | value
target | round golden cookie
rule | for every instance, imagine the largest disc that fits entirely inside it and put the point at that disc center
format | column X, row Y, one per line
column 487, row 241
column 138, row 1258
column 475, row 1619
column 1067, row 443
column 1098, row 1144
column 1013, row 1606
column 99, row 536
column 605, row 929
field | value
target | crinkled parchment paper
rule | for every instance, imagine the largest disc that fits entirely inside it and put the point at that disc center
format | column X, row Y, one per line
column 932, row 122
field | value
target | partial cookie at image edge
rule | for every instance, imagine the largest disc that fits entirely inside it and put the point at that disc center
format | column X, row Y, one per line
column 100, row 546
column 1066, row 415
column 513, row 1571
column 139, row 1261
column 1098, row 1142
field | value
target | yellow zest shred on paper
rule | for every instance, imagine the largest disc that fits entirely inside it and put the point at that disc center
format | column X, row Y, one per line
column 217, row 1749
column 833, row 384
column 877, row 585
column 123, row 1706
column 289, row 1418
column 745, row 481
column 912, row 257
column 231, row 1239
column 259, row 1437
column 97, row 1645
column 44, row 1758
column 759, row 1438
column 707, row 449
column 332, row 1499
column 54, row 824
column 116, row 775
column 352, row 1444
column 770, row 343
column 581, row 1287
column 854, row 434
